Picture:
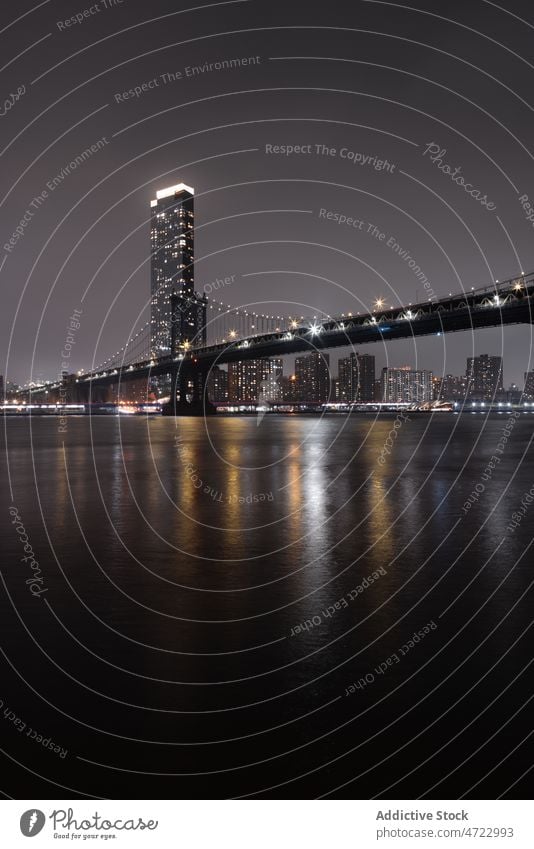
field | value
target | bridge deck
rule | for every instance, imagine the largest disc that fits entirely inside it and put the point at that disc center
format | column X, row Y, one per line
column 510, row 302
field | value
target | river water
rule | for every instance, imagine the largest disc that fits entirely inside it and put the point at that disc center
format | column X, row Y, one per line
column 282, row 607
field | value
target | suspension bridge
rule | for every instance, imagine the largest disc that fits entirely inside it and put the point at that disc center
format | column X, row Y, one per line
column 236, row 334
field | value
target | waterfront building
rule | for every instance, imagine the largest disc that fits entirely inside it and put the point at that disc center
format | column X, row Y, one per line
column 407, row 384
column 450, row 387
column 255, row 381
column 485, row 376
column 288, row 385
column 356, row 376
column 529, row 386
column 312, row 375
column 218, row 385
column 172, row 273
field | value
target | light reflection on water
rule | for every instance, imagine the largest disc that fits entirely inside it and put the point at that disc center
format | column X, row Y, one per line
column 208, row 553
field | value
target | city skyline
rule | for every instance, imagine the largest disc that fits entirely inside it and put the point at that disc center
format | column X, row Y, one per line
column 264, row 381
column 178, row 313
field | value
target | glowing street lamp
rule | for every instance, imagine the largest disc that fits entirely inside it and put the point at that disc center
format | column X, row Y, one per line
column 379, row 303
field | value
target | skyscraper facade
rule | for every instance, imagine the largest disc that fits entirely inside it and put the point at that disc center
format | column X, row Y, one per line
column 218, row 385
column 172, row 273
column 272, row 371
column 450, row 388
column 484, row 375
column 406, row 384
column 255, row 381
column 312, row 375
column 529, row 385
column 356, row 378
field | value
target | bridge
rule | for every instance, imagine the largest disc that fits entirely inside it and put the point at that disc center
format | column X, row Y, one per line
column 508, row 302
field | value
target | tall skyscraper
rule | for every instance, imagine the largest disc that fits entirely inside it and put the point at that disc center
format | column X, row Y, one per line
column 172, row 273
column 312, row 374
column 484, row 374
column 406, row 384
column 356, row 378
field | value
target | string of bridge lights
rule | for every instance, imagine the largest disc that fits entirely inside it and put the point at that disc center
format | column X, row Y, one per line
column 228, row 309
column 121, row 350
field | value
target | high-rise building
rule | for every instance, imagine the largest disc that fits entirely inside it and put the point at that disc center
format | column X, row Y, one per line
column 450, row 388
column 272, row 371
column 255, row 381
column 218, row 385
column 172, row 272
column 529, row 386
column 288, row 386
column 407, row 384
column 356, row 378
column 312, row 374
column 484, row 374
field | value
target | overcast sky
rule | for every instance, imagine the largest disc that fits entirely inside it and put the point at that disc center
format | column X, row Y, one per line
column 366, row 82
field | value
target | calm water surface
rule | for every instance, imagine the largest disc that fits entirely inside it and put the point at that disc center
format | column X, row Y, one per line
column 214, row 592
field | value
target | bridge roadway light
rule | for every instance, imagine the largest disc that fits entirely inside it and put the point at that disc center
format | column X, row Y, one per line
column 379, row 303
column 315, row 329
column 233, row 334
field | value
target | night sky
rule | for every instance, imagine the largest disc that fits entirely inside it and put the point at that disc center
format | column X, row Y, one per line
column 377, row 79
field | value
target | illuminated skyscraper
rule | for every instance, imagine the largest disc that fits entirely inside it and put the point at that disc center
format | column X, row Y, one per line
column 529, row 385
column 172, row 272
column 313, row 378
column 450, row 388
column 356, row 378
column 255, row 381
column 484, row 374
column 406, row 384
column 218, row 385
column 271, row 388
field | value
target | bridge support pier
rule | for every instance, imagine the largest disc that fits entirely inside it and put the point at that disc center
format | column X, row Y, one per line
column 189, row 395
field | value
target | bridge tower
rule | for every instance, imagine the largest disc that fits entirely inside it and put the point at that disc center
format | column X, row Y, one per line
column 189, row 379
